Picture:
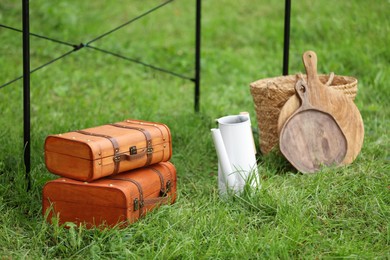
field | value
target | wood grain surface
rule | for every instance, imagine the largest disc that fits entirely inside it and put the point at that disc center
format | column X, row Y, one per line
column 311, row 138
column 331, row 101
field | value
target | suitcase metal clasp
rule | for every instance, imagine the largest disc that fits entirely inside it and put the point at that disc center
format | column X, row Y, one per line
column 136, row 204
column 117, row 158
column 168, row 187
column 149, row 150
column 133, row 150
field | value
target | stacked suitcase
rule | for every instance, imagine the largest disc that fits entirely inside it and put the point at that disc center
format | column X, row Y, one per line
column 111, row 174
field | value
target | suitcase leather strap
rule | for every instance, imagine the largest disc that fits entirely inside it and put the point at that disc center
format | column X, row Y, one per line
column 164, row 188
column 141, row 202
column 114, row 144
column 148, row 124
column 138, row 203
column 149, row 148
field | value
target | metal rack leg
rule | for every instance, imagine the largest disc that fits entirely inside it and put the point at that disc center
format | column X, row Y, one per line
column 197, row 53
column 26, row 90
column 287, row 14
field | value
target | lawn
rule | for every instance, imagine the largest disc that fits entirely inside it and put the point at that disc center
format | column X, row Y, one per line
column 335, row 213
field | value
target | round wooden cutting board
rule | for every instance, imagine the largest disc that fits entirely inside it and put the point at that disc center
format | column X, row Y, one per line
column 333, row 102
column 311, row 138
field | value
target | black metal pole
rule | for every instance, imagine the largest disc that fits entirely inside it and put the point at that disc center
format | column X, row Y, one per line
column 26, row 89
column 287, row 14
column 197, row 53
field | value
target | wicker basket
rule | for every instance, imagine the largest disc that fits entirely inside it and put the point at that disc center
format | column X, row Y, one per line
column 270, row 94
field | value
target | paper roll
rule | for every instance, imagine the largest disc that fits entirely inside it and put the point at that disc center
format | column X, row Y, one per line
column 221, row 181
column 223, row 158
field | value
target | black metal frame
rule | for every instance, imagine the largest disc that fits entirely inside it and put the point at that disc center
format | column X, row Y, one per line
column 198, row 35
column 286, row 47
column 26, row 71
column 26, row 90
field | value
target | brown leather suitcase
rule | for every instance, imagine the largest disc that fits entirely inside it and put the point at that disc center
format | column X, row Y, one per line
column 97, row 152
column 115, row 200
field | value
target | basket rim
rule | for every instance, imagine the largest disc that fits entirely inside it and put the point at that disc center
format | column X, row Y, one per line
column 255, row 84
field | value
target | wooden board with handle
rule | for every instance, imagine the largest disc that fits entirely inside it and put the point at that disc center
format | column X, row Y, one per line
column 311, row 137
column 332, row 101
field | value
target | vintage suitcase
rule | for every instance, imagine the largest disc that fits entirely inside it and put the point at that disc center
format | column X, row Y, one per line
column 114, row 200
column 97, row 152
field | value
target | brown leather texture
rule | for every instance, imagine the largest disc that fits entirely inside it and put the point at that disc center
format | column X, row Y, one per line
column 93, row 153
column 115, row 200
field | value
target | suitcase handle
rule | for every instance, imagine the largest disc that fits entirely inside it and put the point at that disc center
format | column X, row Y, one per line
column 130, row 157
column 149, row 147
column 117, row 158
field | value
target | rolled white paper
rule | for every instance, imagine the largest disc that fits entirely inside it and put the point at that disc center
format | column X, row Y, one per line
column 221, row 181
column 223, row 159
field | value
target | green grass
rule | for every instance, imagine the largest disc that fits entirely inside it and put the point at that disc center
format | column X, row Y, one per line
column 336, row 213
